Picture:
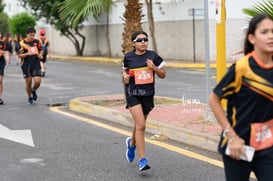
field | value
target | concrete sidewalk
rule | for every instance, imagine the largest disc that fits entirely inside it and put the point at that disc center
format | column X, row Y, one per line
column 190, row 123
column 169, row 63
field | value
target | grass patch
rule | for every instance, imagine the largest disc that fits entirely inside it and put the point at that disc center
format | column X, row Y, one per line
column 121, row 102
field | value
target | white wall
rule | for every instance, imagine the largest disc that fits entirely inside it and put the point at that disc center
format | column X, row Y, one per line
column 179, row 10
column 13, row 7
column 174, row 29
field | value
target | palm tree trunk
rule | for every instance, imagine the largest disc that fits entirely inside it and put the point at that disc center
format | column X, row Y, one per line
column 132, row 18
column 108, row 37
column 149, row 4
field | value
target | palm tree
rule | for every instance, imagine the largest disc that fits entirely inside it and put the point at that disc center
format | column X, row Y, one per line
column 263, row 7
column 150, row 16
column 132, row 17
column 73, row 12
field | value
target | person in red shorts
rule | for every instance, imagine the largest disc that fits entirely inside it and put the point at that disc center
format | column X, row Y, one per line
column 31, row 52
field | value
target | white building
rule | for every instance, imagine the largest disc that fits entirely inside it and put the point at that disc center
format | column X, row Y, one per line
column 174, row 29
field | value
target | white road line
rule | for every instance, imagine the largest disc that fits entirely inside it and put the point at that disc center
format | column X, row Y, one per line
column 19, row 136
column 158, row 143
column 127, row 133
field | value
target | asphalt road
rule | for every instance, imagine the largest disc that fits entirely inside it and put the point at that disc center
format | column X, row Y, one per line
column 73, row 147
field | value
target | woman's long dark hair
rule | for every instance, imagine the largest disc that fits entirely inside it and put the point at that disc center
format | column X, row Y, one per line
column 248, row 47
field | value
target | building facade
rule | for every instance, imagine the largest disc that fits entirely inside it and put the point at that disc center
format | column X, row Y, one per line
column 180, row 34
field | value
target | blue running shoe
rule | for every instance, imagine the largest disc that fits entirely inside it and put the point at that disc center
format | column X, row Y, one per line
column 130, row 152
column 30, row 100
column 143, row 164
column 34, row 95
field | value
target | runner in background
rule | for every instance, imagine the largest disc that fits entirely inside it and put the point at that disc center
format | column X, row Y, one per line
column 9, row 48
column 16, row 41
column 2, row 68
column 31, row 53
column 46, row 50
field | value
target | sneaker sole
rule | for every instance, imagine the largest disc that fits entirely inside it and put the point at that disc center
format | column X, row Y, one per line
column 146, row 167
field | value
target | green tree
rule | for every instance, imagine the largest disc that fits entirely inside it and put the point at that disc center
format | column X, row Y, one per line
column 149, row 4
column 2, row 6
column 76, row 10
column 73, row 12
column 20, row 22
column 150, row 17
column 48, row 9
column 4, row 28
column 132, row 17
column 264, row 7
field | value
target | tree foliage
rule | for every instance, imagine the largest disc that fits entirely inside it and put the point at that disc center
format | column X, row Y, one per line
column 2, row 6
column 48, row 9
column 150, row 16
column 132, row 17
column 263, row 7
column 4, row 28
column 20, row 22
column 75, row 11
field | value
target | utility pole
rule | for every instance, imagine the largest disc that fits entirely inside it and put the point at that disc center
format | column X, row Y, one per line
column 220, row 39
column 221, row 43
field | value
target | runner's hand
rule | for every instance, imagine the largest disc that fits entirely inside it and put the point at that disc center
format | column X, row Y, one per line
column 126, row 78
column 236, row 147
column 150, row 63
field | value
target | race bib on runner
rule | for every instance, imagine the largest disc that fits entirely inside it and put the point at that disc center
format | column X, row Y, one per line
column 33, row 50
column 261, row 135
column 143, row 76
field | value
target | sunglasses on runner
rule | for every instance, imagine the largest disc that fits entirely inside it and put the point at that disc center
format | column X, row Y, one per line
column 141, row 40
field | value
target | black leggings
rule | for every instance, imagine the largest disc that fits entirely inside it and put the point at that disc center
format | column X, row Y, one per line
column 240, row 170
